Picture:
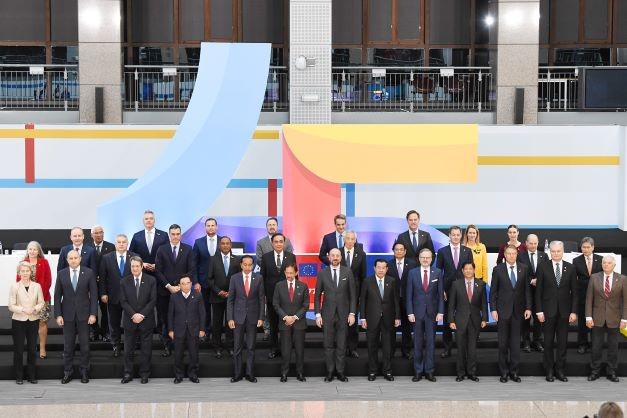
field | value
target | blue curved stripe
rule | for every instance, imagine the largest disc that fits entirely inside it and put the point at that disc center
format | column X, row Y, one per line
column 200, row 160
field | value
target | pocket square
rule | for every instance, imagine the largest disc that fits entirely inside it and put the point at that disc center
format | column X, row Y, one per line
column 344, row 279
column 433, row 281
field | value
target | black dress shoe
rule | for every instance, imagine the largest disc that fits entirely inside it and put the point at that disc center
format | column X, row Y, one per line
column 32, row 381
column 613, row 378
column 166, row 352
column 353, row 354
column 473, row 377
column 593, row 377
column 218, row 354
column 283, row 378
column 406, row 355
column 301, row 378
column 388, row 377
column 445, row 353
column 127, row 378
column 537, row 345
column 67, row 378
column 144, row 380
column 416, row 378
column 19, row 381
column 272, row 354
column 582, row 349
column 328, row 378
column 342, row 377
column 178, row 380
column 236, row 379
column 251, row 379
column 194, row 379
column 459, row 378
column 106, row 339
column 561, row 377
column 503, row 379
column 116, row 351
column 550, row 378
column 371, row 377
column 84, row 378
column 231, row 353
column 430, row 377
column 515, row 377
column 526, row 348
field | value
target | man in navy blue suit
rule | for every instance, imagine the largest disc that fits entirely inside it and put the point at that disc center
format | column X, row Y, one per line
column 424, row 302
column 204, row 248
column 145, row 243
column 400, row 266
column 450, row 260
column 414, row 239
column 87, row 253
column 333, row 239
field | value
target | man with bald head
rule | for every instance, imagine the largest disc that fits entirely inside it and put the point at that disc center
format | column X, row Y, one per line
column 86, row 253
column 532, row 258
column 606, row 311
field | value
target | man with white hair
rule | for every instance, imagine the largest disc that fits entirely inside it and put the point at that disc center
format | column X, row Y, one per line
column 606, row 311
column 102, row 248
column 556, row 307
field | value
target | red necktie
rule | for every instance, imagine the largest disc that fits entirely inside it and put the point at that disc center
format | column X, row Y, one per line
column 246, row 285
column 607, row 286
column 425, row 281
column 291, row 292
column 469, row 290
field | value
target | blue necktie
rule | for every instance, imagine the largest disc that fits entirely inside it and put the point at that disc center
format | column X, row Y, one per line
column 226, row 265
column 121, row 265
column 340, row 241
column 74, row 280
column 512, row 276
column 414, row 243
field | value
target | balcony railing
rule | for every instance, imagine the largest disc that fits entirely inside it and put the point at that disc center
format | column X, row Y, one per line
column 558, row 89
column 39, row 87
column 171, row 88
column 413, row 89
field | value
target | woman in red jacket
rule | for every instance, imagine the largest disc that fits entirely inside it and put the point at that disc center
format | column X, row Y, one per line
column 35, row 256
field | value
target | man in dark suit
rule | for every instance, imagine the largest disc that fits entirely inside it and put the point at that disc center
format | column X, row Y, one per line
column 450, row 260
column 75, row 308
column 335, row 313
column 223, row 266
column 532, row 258
column 264, row 245
column 380, row 315
column 585, row 265
column 186, row 319
column 353, row 257
column 425, row 307
column 333, row 239
column 244, row 314
column 273, row 271
column 204, row 249
column 102, row 248
column 556, row 302
column 291, row 302
column 414, row 239
column 113, row 267
column 87, row 253
column 138, row 298
column 468, row 313
column 606, row 311
column 146, row 242
column 399, row 268
column 510, row 302
column 172, row 262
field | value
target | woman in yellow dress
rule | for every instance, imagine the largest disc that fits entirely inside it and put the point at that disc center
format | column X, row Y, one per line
column 479, row 252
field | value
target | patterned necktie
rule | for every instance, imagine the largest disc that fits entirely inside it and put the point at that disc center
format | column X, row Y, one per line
column 380, row 287
column 469, row 290
column 74, row 280
column 226, row 265
column 414, row 242
column 246, row 285
column 558, row 274
column 425, row 280
column 291, row 291
column 121, row 265
column 607, row 286
column 456, row 256
column 512, row 276
column 348, row 259
column 98, row 249
column 137, row 286
column 278, row 262
column 533, row 264
column 337, row 283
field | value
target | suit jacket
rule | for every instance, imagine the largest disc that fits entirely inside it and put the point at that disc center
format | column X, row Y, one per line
column 76, row 305
column 425, row 304
column 299, row 306
column 186, row 314
column 110, row 276
column 340, row 300
column 105, row 248
column 246, row 309
column 581, row 269
column 505, row 299
column 218, row 279
column 540, row 258
column 603, row 310
column 374, row 308
column 140, row 247
column 271, row 275
column 408, row 264
column 424, row 241
column 463, row 312
column 264, row 245
column 202, row 260
column 329, row 242
column 444, row 261
column 144, row 303
column 168, row 270
column 358, row 263
column 551, row 299
column 20, row 298
column 88, row 257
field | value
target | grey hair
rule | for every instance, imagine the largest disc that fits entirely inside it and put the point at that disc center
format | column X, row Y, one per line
column 26, row 264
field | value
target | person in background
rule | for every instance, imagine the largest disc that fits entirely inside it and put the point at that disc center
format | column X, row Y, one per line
column 512, row 239
column 102, row 248
column 26, row 301
column 43, row 276
column 479, row 252
column 610, row 410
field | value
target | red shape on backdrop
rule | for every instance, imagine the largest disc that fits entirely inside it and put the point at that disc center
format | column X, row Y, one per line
column 309, row 204
column 272, row 197
column 29, row 156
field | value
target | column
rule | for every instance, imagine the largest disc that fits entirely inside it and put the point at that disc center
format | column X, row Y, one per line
column 100, row 58
column 310, row 61
column 518, row 32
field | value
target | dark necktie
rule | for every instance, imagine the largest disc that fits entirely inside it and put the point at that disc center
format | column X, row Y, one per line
column 558, row 274
column 348, row 259
column 78, row 250
column 335, row 280
column 533, row 264
column 278, row 262
column 174, row 253
column 607, row 286
column 137, row 286
column 425, row 280
column 414, row 242
column 121, row 265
